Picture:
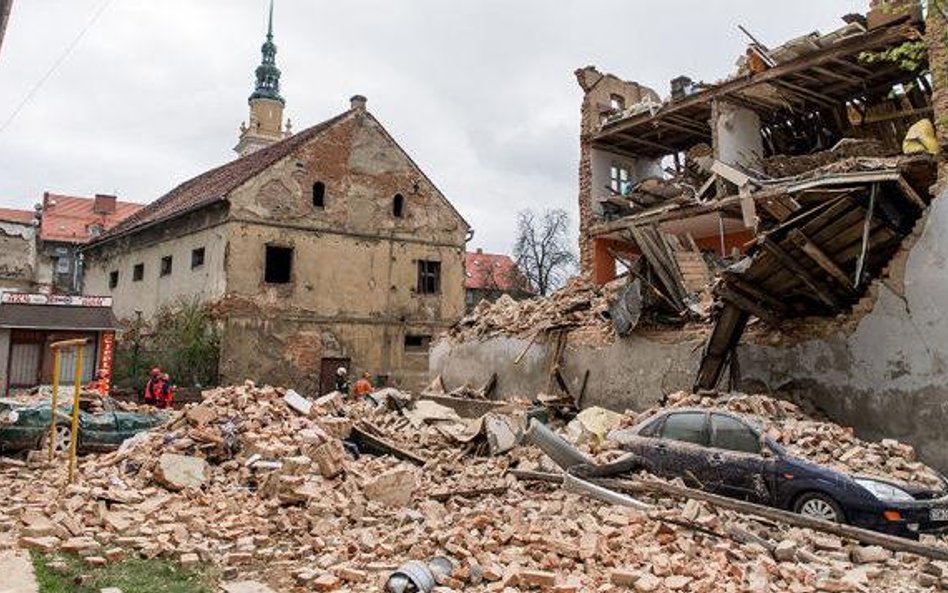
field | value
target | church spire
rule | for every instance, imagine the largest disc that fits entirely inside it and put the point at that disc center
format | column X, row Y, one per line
column 268, row 75
column 266, row 104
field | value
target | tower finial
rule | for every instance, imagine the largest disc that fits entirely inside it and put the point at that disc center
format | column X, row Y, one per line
column 270, row 23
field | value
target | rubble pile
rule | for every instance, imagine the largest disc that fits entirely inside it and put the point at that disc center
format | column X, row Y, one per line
column 789, row 166
column 804, row 434
column 579, row 306
column 256, row 481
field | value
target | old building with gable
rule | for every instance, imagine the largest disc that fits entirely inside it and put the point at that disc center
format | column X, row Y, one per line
column 325, row 248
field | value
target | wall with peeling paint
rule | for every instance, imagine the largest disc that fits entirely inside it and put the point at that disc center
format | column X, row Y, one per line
column 17, row 256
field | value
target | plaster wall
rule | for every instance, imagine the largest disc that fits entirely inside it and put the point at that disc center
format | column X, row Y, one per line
column 17, row 256
column 737, row 139
column 603, row 160
column 204, row 283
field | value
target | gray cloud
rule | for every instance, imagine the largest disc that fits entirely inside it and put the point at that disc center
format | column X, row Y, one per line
column 480, row 92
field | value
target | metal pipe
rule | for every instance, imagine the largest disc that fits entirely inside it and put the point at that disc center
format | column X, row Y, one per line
column 555, row 446
column 573, row 484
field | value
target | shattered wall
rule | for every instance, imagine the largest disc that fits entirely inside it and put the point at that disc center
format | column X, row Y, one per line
column 17, row 256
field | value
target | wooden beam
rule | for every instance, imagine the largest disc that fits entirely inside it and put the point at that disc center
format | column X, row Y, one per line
column 680, row 128
column 736, row 281
column 805, row 93
column 816, row 285
column 822, row 259
column 909, row 191
column 745, row 304
column 649, row 143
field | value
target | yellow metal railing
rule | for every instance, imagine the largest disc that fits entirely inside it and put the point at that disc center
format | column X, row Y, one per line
column 58, row 348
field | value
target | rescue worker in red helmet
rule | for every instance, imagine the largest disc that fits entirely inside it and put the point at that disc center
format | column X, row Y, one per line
column 150, row 392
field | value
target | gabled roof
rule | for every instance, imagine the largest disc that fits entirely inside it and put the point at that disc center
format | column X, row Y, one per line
column 492, row 271
column 69, row 218
column 214, row 185
column 16, row 215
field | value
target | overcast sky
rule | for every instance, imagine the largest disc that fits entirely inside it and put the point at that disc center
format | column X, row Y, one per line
column 480, row 92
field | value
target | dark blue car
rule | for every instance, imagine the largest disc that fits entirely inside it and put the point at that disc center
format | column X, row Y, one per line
column 723, row 453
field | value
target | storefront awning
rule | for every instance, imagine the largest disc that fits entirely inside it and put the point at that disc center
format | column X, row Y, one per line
column 57, row 317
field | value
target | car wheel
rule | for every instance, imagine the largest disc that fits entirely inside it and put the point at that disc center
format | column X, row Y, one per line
column 819, row 506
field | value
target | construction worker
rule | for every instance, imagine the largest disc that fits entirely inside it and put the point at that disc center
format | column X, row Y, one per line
column 164, row 394
column 150, row 393
column 363, row 387
column 342, row 380
column 100, row 384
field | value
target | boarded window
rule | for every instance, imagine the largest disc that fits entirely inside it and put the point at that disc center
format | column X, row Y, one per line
column 319, row 195
column 415, row 343
column 279, row 264
column 733, row 435
column 166, row 263
column 429, row 277
column 398, row 206
column 687, row 427
column 138, row 272
column 113, row 278
column 197, row 257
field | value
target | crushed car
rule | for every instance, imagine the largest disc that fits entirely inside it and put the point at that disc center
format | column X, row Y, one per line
column 26, row 426
column 728, row 454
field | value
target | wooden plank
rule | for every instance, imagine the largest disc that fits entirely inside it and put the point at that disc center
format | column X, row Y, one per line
column 657, row 260
column 738, row 283
column 822, row 259
column 738, row 300
column 724, row 337
column 816, row 285
column 909, row 191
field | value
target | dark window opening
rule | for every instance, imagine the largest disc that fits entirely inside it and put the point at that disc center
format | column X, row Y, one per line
column 138, row 272
column 197, row 257
column 319, row 195
column 165, row 266
column 417, row 343
column 398, row 206
column 687, row 427
column 429, row 277
column 616, row 102
column 113, row 278
column 279, row 264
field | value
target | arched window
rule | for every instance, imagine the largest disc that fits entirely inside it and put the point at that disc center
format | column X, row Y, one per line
column 398, row 206
column 319, row 195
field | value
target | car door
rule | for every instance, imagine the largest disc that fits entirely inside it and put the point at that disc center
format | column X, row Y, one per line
column 737, row 467
column 681, row 449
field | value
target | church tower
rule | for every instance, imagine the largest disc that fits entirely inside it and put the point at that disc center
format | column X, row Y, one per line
column 266, row 105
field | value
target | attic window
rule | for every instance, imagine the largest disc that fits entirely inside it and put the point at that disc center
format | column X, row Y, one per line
column 197, row 257
column 113, row 278
column 398, row 206
column 138, row 272
column 319, row 195
column 279, row 264
column 166, row 263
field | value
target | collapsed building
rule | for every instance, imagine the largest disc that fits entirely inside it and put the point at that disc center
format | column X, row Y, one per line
column 779, row 229
column 325, row 248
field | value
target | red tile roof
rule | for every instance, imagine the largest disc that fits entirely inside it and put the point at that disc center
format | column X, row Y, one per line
column 15, row 215
column 214, row 185
column 69, row 219
column 492, row 271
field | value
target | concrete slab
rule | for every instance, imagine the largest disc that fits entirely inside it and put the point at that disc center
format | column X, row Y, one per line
column 246, row 587
column 17, row 571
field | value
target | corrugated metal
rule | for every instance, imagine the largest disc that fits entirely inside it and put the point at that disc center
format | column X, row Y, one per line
column 67, row 364
column 25, row 364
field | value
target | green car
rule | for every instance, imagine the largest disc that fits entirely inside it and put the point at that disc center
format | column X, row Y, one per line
column 26, row 426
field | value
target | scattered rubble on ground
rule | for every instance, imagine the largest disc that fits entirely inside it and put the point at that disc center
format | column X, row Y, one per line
column 246, row 481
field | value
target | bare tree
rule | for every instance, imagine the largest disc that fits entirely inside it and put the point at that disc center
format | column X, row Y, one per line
column 542, row 248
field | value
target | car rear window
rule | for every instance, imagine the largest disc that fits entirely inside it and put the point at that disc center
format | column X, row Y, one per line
column 687, row 427
column 733, row 435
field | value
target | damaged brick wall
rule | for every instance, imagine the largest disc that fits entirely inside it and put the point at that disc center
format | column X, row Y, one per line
column 598, row 88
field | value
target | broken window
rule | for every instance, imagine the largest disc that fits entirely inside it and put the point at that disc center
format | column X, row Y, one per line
column 113, row 278
column 138, row 272
column 429, row 277
column 197, row 257
column 619, row 179
column 165, row 266
column 279, row 264
column 733, row 435
column 617, row 102
column 417, row 343
column 687, row 427
column 319, row 195
column 398, row 206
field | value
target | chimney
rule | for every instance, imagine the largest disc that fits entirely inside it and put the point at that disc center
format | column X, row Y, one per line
column 358, row 102
column 480, row 250
column 103, row 204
